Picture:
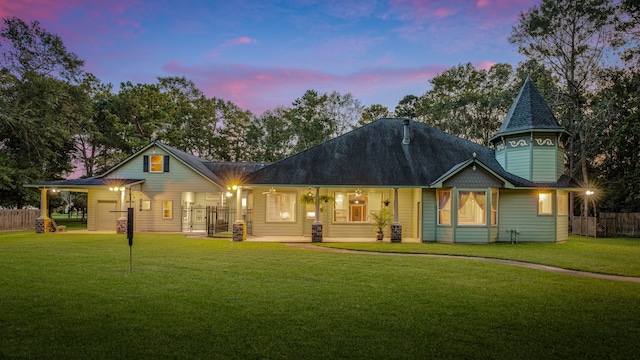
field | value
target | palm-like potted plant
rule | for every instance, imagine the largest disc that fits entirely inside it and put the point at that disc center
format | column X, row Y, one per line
column 381, row 220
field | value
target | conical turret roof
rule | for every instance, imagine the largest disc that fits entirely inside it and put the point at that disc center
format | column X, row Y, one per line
column 529, row 112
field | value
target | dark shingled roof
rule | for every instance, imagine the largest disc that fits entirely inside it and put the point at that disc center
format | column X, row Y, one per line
column 528, row 112
column 233, row 172
column 374, row 155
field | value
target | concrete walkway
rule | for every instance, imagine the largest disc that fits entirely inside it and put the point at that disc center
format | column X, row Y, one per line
column 558, row 270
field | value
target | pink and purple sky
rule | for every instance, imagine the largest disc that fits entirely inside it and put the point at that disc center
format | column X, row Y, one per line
column 262, row 54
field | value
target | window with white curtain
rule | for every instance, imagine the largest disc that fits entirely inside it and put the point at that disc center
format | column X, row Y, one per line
column 494, row 206
column 471, row 207
column 281, row 207
column 444, row 207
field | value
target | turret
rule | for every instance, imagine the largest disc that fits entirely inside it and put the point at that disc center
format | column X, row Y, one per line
column 530, row 141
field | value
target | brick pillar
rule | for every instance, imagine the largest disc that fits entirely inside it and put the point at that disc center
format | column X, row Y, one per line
column 316, row 231
column 121, row 227
column 239, row 231
column 396, row 233
column 43, row 225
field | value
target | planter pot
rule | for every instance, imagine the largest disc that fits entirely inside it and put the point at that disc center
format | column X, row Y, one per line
column 379, row 236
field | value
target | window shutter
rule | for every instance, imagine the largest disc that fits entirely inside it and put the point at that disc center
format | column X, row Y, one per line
column 145, row 163
column 166, row 163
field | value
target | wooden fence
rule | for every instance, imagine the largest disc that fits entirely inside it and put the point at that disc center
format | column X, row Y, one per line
column 607, row 225
column 625, row 224
column 18, row 219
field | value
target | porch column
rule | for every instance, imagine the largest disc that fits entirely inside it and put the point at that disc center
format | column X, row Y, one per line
column 396, row 228
column 316, row 227
column 121, row 227
column 239, row 227
column 43, row 223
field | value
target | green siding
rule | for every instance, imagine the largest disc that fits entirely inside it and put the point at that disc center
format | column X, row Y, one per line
column 493, row 233
column 519, row 162
column 563, row 228
column 502, row 159
column 544, row 160
column 445, row 234
column 560, row 162
column 518, row 209
column 472, row 234
column 429, row 215
column 470, row 178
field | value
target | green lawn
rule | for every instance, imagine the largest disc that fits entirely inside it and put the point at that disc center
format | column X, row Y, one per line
column 619, row 256
column 72, row 296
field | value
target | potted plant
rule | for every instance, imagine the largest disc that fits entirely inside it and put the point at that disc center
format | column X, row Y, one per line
column 309, row 198
column 381, row 220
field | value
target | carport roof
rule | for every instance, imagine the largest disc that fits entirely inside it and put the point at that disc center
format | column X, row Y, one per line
column 92, row 182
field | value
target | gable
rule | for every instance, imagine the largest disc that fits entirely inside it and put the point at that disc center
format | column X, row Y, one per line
column 175, row 175
column 473, row 177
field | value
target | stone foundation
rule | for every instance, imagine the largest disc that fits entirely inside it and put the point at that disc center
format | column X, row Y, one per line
column 316, row 232
column 122, row 226
column 43, row 225
column 396, row 233
column 239, row 231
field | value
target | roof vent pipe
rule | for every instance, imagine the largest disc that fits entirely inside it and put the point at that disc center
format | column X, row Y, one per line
column 406, row 139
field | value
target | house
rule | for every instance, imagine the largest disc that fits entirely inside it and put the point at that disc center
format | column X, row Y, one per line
column 439, row 187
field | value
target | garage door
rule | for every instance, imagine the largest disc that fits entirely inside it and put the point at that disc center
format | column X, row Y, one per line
column 107, row 216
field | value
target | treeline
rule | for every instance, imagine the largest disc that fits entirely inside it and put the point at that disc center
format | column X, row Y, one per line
column 584, row 58
column 582, row 55
column 55, row 116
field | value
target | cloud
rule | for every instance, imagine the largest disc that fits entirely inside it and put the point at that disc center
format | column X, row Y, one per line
column 261, row 88
column 36, row 9
column 243, row 40
column 484, row 65
column 449, row 13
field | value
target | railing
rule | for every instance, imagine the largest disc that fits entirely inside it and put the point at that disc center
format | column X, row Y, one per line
column 221, row 218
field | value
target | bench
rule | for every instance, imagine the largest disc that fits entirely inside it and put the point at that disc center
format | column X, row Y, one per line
column 57, row 228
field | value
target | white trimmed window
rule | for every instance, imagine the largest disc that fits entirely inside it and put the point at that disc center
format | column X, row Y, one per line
column 281, row 207
column 563, row 204
column 545, row 203
column 494, row 206
column 167, row 209
column 156, row 163
column 444, row 207
column 145, row 204
column 471, row 207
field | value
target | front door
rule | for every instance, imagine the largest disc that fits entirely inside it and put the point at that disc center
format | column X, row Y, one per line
column 357, row 212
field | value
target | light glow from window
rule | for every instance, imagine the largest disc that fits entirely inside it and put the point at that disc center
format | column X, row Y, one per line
column 156, row 163
column 281, row 207
column 444, row 207
column 471, row 207
column 545, row 203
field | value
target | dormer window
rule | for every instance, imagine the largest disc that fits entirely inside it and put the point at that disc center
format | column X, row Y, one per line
column 155, row 163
